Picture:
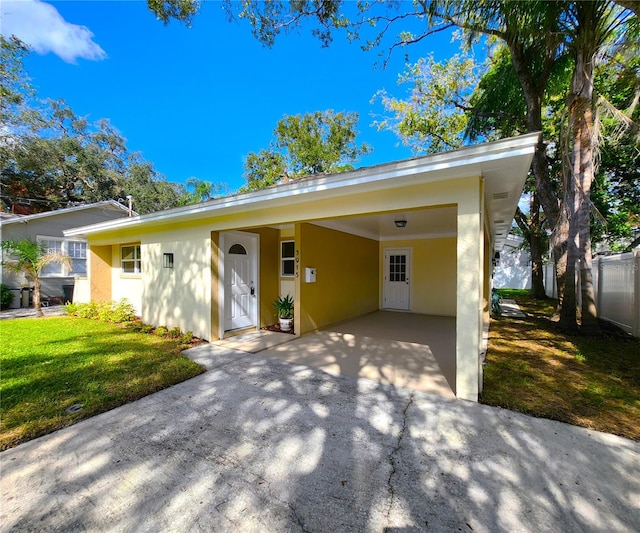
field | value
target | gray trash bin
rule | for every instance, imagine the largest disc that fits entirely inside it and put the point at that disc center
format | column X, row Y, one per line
column 68, row 293
column 24, row 296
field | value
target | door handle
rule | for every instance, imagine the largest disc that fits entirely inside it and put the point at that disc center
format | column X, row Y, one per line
column 253, row 291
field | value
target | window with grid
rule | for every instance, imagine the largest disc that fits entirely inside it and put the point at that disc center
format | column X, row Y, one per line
column 53, row 268
column 287, row 258
column 78, row 254
column 131, row 261
column 397, row 268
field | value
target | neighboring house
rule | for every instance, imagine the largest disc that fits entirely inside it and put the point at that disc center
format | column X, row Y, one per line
column 57, row 281
column 416, row 235
column 513, row 268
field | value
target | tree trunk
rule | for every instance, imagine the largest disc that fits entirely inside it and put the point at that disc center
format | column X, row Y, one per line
column 568, row 302
column 583, row 171
column 581, row 121
column 536, row 244
column 36, row 297
column 533, row 89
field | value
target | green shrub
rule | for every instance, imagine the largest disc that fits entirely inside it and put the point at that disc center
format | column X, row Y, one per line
column 88, row 310
column 186, row 338
column 160, row 331
column 118, row 313
column 122, row 312
column 6, row 297
column 174, row 332
column 71, row 308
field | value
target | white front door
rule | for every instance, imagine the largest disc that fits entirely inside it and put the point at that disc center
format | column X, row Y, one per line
column 396, row 289
column 240, row 280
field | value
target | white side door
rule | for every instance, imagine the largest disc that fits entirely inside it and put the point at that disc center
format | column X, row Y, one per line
column 240, row 280
column 396, row 289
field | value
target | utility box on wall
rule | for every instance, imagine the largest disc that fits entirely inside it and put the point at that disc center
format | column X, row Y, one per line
column 310, row 275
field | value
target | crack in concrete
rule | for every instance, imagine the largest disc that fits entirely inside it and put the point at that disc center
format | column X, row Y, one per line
column 391, row 456
column 299, row 520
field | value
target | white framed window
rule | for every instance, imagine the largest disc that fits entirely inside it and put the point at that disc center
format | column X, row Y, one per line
column 53, row 269
column 287, row 259
column 78, row 254
column 76, row 250
column 130, row 259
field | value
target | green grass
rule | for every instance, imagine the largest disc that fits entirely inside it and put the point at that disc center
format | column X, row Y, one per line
column 535, row 368
column 50, row 364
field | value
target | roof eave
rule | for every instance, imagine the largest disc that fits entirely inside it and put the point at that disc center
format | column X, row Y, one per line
column 432, row 167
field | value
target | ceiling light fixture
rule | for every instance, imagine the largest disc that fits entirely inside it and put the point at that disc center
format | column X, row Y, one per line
column 400, row 223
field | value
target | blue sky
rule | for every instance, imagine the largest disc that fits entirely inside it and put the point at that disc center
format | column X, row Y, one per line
column 195, row 101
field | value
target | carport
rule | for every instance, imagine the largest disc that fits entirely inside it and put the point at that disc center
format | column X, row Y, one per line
column 406, row 350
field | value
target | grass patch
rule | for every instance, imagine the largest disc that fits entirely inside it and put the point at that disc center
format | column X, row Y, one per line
column 534, row 368
column 51, row 364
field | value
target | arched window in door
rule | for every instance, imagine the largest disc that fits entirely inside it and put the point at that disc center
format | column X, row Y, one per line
column 238, row 249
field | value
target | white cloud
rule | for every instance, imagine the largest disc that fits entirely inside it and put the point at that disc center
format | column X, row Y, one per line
column 41, row 26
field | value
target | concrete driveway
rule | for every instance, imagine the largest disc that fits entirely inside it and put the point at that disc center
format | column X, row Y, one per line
column 257, row 444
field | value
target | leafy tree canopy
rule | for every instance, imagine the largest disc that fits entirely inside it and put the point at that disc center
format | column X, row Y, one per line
column 303, row 145
column 51, row 158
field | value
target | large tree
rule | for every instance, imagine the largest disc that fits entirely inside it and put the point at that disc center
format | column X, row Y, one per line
column 304, row 145
column 51, row 158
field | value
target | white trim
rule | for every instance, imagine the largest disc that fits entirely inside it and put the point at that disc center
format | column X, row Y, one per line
column 135, row 260
column 420, row 236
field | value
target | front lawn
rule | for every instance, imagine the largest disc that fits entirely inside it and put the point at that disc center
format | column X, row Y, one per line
column 534, row 368
column 49, row 365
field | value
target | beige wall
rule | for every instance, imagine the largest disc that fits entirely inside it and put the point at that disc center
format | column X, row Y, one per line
column 347, row 277
column 178, row 296
column 433, row 274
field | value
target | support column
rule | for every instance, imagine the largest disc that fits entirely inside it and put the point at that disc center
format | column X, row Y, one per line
column 470, row 247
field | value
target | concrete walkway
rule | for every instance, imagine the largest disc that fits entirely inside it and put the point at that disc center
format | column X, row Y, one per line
column 257, row 444
column 511, row 309
column 30, row 312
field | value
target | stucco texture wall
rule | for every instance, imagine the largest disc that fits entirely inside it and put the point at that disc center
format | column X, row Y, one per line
column 127, row 286
column 178, row 296
column 433, row 276
column 347, row 277
column 100, row 275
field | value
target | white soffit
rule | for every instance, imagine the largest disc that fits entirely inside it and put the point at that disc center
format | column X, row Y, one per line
column 420, row 224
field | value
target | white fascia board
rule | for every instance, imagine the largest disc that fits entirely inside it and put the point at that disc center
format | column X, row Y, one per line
column 460, row 163
column 66, row 210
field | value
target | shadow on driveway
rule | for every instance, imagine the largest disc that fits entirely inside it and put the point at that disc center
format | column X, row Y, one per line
column 257, row 444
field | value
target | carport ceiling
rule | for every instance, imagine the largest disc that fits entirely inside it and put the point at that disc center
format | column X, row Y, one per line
column 422, row 223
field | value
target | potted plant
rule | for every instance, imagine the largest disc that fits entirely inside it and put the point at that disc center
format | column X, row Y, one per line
column 284, row 310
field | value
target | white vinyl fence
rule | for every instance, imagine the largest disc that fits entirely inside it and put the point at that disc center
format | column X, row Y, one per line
column 616, row 282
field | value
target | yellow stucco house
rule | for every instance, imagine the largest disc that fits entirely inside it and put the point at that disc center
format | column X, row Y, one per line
column 416, row 235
